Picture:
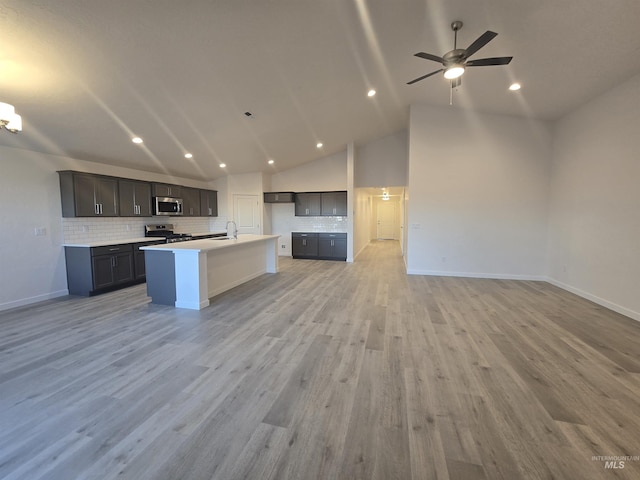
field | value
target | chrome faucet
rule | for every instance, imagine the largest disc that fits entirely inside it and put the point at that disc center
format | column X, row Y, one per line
column 234, row 232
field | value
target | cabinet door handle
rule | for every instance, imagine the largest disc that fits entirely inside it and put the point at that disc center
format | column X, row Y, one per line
column 95, row 209
column 304, row 242
column 100, row 208
column 332, row 244
column 334, row 211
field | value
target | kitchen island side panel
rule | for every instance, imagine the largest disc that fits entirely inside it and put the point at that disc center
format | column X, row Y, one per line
column 228, row 269
column 161, row 276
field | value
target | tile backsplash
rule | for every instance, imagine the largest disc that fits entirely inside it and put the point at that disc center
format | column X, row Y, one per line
column 87, row 229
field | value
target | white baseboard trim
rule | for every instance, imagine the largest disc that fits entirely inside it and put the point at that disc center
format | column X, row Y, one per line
column 38, row 298
column 595, row 299
column 494, row 276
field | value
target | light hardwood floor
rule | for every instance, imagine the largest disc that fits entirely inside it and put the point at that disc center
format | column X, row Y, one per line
column 325, row 370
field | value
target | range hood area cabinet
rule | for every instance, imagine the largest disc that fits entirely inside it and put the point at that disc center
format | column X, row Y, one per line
column 166, row 190
column 279, row 197
column 316, row 204
column 88, row 195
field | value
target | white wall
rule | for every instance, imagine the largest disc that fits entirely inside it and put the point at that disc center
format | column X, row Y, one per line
column 479, row 188
column 33, row 266
column 325, row 174
column 594, row 228
column 363, row 217
column 382, row 162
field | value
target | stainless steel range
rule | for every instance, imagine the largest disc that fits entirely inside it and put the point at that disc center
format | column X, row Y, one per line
column 166, row 230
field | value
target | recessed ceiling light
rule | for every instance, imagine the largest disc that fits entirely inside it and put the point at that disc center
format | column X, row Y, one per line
column 136, row 140
column 319, row 145
column 222, row 165
column 371, row 93
column 514, row 86
column 188, row 155
column 271, row 162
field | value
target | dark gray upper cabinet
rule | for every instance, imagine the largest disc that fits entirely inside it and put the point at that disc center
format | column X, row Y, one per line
column 208, row 203
column 308, row 204
column 166, row 190
column 191, row 202
column 321, row 204
column 87, row 195
column 279, row 197
column 135, row 198
column 334, row 203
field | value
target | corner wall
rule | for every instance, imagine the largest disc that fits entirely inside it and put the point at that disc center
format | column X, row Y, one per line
column 594, row 227
column 479, row 194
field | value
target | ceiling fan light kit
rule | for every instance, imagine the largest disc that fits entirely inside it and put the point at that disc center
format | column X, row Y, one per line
column 455, row 62
column 9, row 119
column 454, row 71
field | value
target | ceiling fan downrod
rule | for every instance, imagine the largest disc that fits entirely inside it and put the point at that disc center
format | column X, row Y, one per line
column 455, row 26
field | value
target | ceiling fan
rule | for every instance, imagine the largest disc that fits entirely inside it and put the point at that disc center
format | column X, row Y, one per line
column 455, row 61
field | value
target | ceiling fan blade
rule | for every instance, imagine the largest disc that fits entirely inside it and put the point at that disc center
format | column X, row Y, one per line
column 424, row 76
column 481, row 62
column 428, row 56
column 480, row 42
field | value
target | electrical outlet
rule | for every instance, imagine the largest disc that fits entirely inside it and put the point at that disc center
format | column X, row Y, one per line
column 85, row 228
column 283, row 246
column 40, row 232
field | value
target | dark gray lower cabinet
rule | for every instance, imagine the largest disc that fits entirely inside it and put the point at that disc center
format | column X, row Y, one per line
column 332, row 246
column 320, row 246
column 93, row 270
column 140, row 271
column 304, row 245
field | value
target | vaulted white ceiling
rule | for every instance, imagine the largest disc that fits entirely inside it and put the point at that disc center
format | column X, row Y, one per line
column 87, row 75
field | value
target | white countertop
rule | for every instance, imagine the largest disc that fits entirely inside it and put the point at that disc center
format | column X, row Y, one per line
column 210, row 243
column 202, row 234
column 104, row 243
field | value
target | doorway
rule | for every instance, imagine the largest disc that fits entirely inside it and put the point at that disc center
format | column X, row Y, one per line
column 246, row 213
column 386, row 220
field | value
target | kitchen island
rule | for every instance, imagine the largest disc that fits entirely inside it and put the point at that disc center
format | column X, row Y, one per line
column 187, row 274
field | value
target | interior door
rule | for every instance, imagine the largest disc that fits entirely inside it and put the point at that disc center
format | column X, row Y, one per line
column 386, row 220
column 246, row 213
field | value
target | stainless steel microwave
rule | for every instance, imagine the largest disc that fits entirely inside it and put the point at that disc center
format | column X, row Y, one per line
column 167, row 206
